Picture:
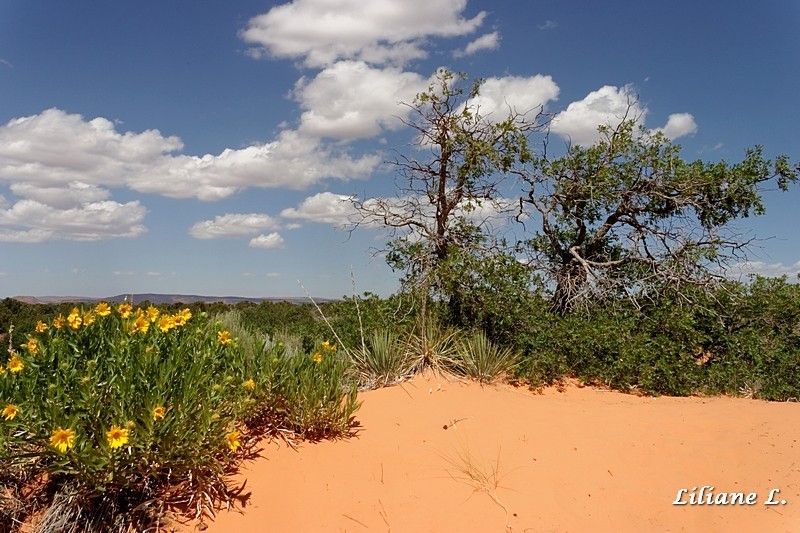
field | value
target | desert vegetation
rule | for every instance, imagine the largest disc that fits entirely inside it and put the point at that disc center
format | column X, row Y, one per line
column 113, row 414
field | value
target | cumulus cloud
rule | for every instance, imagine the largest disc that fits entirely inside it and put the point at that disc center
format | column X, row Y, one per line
column 744, row 269
column 521, row 94
column 233, row 225
column 351, row 100
column 273, row 240
column 608, row 105
column 321, row 32
column 488, row 41
column 325, row 207
column 679, row 125
column 32, row 221
column 72, row 195
column 55, row 152
column 55, row 148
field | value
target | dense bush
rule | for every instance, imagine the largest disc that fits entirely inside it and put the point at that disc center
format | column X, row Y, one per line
column 119, row 406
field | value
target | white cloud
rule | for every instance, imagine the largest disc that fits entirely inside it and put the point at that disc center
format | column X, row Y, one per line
column 233, row 225
column 32, row 221
column 54, row 149
column 325, row 207
column 679, row 125
column 350, row 100
column 72, row 195
column 62, row 159
column 521, row 94
column 273, row 240
column 488, row 41
column 744, row 269
column 608, row 105
column 379, row 32
column 548, row 25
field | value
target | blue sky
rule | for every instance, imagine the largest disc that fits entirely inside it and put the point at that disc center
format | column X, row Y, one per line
column 186, row 147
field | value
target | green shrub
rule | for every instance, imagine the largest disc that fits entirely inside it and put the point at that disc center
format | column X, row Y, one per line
column 121, row 406
column 480, row 359
column 384, row 360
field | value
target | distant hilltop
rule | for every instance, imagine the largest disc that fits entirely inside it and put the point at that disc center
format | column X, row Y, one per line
column 162, row 299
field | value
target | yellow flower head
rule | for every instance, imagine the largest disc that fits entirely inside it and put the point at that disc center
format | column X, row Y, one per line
column 182, row 317
column 152, row 313
column 63, row 439
column 103, row 309
column 10, row 411
column 58, row 322
column 2, row 370
column 32, row 346
column 159, row 412
column 165, row 323
column 233, row 440
column 249, row 384
column 224, row 337
column 117, row 437
column 141, row 325
column 125, row 310
column 74, row 319
column 88, row 318
column 317, row 357
column 327, row 346
column 15, row 364
column 41, row 327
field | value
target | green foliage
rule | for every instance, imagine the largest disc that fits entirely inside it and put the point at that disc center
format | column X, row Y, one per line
column 742, row 339
column 432, row 345
column 119, row 406
column 384, row 360
column 629, row 216
column 480, row 359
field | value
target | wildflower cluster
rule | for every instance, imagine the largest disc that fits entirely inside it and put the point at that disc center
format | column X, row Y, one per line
column 124, row 399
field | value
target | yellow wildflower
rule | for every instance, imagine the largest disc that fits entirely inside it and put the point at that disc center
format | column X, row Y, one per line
column 224, row 337
column 58, row 322
column 249, row 384
column 159, row 412
column 32, row 346
column 152, row 313
column 74, row 319
column 317, row 357
column 125, row 310
column 103, row 309
column 117, row 437
column 63, row 439
column 88, row 318
column 182, row 317
column 141, row 325
column 2, row 370
column 327, row 346
column 41, row 327
column 166, row 323
column 15, row 364
column 233, row 440
column 10, row 411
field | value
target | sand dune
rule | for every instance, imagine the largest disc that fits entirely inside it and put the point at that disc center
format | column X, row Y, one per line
column 438, row 455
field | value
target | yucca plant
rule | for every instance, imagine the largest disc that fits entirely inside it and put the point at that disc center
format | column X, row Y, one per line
column 383, row 360
column 480, row 359
column 432, row 346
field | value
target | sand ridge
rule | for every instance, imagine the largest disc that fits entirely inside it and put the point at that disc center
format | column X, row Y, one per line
column 439, row 455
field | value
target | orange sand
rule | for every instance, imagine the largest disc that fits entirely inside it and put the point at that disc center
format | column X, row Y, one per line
column 579, row 460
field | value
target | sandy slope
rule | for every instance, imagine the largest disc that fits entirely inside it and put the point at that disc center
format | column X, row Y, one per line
column 578, row 460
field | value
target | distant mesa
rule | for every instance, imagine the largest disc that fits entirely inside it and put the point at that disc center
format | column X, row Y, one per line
column 163, row 299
